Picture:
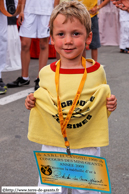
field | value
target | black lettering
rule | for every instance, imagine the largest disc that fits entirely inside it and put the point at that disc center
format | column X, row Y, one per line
column 69, row 102
column 57, row 119
column 63, row 104
column 77, row 102
column 84, row 121
column 78, row 125
column 92, row 98
column 89, row 117
column 69, row 126
column 82, row 103
column 74, row 126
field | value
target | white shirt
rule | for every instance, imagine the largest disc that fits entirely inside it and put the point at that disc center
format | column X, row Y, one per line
column 40, row 7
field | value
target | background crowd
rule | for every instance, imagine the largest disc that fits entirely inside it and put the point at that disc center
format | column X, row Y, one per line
column 110, row 26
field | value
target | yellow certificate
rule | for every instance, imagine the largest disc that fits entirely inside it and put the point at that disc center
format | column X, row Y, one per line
column 73, row 171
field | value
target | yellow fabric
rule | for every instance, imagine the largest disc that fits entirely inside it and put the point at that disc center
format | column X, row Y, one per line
column 88, row 126
column 89, row 4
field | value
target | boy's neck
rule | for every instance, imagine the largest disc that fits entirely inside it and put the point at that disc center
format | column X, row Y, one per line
column 71, row 64
column 74, row 64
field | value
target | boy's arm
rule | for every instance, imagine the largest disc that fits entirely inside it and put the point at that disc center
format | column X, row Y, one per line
column 56, row 2
column 111, row 102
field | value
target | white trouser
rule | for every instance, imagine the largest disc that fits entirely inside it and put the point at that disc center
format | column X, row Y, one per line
column 124, row 35
column 35, row 26
column 84, row 151
column 13, row 59
column 3, row 41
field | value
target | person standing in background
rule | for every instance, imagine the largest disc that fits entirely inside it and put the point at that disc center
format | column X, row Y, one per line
column 3, row 50
column 124, row 24
column 93, row 8
column 109, row 25
column 124, row 31
column 13, row 59
column 34, row 23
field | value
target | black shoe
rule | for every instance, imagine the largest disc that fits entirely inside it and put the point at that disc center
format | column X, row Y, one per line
column 36, row 84
column 2, row 84
column 19, row 82
column 3, row 90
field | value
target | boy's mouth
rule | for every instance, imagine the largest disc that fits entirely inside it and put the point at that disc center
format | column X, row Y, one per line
column 68, row 50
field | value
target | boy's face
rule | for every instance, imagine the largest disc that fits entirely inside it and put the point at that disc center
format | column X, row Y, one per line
column 70, row 37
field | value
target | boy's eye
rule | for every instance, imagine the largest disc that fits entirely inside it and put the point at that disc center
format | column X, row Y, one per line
column 60, row 34
column 76, row 33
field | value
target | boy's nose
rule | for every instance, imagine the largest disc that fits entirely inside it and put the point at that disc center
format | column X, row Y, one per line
column 68, row 39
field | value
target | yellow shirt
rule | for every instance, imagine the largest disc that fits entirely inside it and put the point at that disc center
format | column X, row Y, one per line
column 89, row 4
column 88, row 126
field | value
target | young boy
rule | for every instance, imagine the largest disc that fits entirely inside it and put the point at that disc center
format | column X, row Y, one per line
column 72, row 80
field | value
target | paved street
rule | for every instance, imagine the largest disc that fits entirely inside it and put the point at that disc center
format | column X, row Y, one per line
column 17, row 162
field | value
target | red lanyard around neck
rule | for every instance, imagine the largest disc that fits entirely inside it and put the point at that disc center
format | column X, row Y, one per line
column 63, row 123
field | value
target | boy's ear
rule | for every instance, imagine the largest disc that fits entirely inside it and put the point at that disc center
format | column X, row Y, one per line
column 52, row 41
column 89, row 38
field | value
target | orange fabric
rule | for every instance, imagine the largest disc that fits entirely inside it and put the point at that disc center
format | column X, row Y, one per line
column 64, row 123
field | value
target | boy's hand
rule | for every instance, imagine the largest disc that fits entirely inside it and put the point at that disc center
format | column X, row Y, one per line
column 111, row 103
column 30, row 101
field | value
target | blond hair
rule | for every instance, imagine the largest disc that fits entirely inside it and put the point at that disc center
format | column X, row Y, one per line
column 69, row 10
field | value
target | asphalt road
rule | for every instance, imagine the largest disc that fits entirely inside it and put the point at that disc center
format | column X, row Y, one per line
column 17, row 162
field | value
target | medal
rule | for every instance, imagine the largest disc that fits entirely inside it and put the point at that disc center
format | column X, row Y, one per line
column 63, row 123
